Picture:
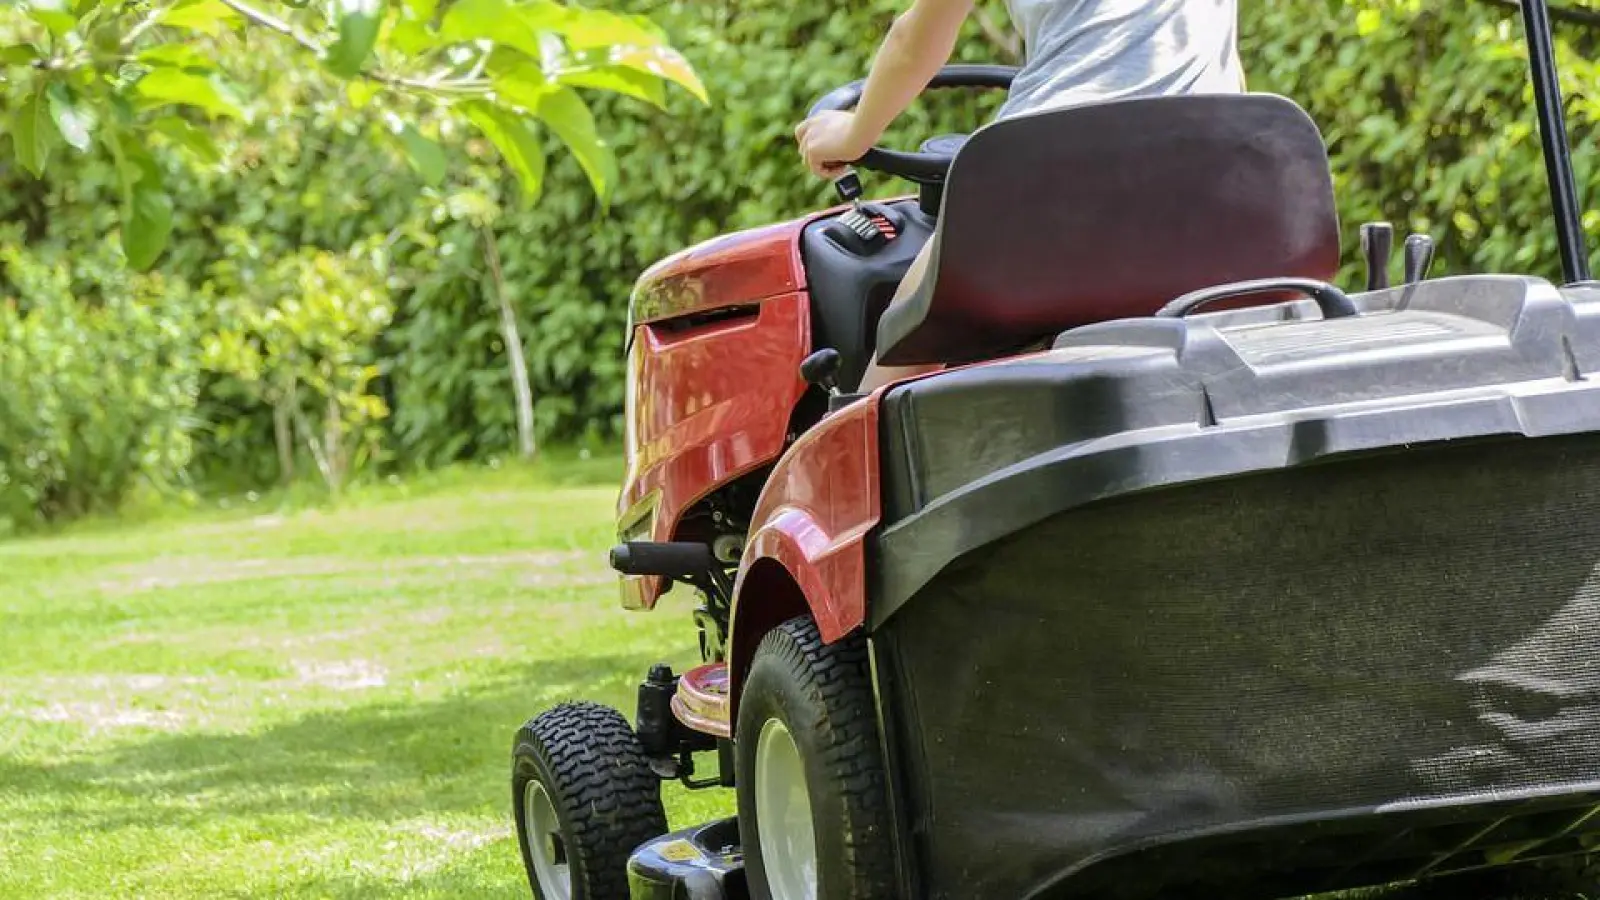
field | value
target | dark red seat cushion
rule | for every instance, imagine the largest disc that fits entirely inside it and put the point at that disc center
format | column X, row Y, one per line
column 1108, row 211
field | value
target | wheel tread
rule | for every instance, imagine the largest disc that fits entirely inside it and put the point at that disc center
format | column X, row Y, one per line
column 606, row 795
column 837, row 678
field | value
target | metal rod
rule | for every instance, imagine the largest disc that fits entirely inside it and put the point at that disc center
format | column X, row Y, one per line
column 1553, row 133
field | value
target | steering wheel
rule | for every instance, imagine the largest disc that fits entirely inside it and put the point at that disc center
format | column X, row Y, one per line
column 926, row 166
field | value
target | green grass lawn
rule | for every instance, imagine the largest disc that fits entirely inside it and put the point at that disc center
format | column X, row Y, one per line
column 314, row 703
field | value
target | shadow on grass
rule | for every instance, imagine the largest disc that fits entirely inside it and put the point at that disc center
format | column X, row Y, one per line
column 383, row 762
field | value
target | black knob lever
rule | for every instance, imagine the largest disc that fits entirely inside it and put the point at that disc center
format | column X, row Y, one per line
column 822, row 369
column 849, row 187
column 1418, row 257
column 1377, row 244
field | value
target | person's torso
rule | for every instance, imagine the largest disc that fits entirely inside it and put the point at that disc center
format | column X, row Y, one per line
column 1093, row 50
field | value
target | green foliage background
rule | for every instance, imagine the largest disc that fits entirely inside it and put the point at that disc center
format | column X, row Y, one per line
column 1426, row 107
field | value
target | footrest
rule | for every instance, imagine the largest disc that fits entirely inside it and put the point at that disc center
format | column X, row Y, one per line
column 701, row 702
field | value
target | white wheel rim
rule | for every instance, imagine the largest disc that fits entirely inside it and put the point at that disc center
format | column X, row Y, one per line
column 545, row 846
column 783, row 813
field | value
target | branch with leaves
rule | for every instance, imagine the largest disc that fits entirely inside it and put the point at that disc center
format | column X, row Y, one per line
column 121, row 73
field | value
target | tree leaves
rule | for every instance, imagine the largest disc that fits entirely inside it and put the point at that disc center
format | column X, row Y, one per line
column 54, row 15
column 512, row 25
column 178, row 56
column 147, row 226
column 425, row 155
column 569, row 117
column 20, row 55
column 360, row 92
column 163, row 86
column 628, row 82
column 73, row 120
column 662, row 62
column 210, row 17
column 522, row 85
column 33, row 132
column 120, row 73
column 195, row 140
column 146, row 207
column 422, row 9
column 621, row 53
column 359, row 23
column 517, row 143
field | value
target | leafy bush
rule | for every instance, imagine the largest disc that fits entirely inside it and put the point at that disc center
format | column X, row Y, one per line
column 98, row 385
column 1428, row 111
column 296, row 331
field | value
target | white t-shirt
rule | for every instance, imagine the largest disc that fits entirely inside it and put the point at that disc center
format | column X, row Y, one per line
column 1093, row 50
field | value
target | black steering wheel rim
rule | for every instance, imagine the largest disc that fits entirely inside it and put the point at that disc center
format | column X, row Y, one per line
column 922, row 168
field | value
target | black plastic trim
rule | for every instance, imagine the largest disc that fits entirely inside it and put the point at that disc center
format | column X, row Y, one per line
column 849, row 291
column 1141, row 404
column 893, row 740
column 1466, row 808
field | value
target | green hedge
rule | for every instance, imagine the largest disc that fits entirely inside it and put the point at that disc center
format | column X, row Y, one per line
column 98, row 385
column 1426, row 108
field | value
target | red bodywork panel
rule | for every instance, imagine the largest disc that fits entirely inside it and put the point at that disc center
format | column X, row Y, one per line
column 709, row 401
column 733, row 270
column 809, row 532
column 817, row 508
column 713, row 382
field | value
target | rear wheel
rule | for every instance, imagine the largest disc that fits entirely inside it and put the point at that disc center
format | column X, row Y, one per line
column 585, row 800
column 813, row 802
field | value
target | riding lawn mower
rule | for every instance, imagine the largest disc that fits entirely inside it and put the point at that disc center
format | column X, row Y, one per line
column 1190, row 574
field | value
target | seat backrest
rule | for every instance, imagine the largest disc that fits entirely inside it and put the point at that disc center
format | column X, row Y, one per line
column 1105, row 211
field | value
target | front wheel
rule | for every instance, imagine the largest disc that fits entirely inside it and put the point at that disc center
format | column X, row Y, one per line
column 585, row 800
column 813, row 799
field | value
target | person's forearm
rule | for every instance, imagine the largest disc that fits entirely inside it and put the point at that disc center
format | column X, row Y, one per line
column 918, row 45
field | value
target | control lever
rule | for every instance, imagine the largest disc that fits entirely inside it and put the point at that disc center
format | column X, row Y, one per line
column 1418, row 257
column 1377, row 244
column 849, row 187
column 822, row 369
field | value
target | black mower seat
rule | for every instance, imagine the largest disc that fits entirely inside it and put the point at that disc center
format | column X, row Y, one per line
column 1108, row 211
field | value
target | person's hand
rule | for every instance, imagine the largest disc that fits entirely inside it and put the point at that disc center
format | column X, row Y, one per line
column 829, row 141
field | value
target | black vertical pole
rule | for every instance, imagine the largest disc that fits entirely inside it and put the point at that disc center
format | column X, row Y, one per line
column 1553, row 132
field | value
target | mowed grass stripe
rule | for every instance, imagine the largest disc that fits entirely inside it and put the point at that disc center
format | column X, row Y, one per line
column 313, row 703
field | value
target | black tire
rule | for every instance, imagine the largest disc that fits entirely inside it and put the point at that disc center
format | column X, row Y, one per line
column 606, row 800
column 822, row 693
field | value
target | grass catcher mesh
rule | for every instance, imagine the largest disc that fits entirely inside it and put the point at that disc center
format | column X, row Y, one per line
column 1257, row 655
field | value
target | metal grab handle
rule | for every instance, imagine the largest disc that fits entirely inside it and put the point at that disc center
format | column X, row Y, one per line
column 1332, row 301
